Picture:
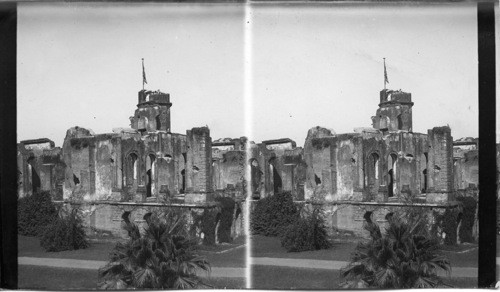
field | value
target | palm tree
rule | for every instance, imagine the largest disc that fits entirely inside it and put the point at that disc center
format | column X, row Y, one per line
column 162, row 258
column 400, row 259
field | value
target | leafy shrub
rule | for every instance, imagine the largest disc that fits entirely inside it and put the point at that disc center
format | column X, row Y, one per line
column 306, row 233
column 226, row 218
column 34, row 213
column 164, row 257
column 468, row 217
column 66, row 232
column 272, row 215
column 448, row 223
column 399, row 259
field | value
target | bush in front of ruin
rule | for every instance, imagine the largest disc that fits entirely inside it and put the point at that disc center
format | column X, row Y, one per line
column 34, row 213
column 226, row 219
column 163, row 257
column 469, row 205
column 307, row 233
column 399, row 258
column 65, row 232
column 272, row 215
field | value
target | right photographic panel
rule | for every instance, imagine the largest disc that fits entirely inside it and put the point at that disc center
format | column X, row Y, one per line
column 364, row 170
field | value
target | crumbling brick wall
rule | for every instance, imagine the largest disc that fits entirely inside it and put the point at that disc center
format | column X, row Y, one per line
column 199, row 160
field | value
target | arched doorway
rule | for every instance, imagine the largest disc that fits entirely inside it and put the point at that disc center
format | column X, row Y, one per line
column 34, row 177
column 400, row 122
column 391, row 175
column 150, row 174
column 276, row 178
column 255, row 176
column 373, row 173
column 158, row 122
column 132, row 169
column 423, row 172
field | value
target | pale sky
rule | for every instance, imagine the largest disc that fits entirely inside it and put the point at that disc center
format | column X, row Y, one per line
column 323, row 66
column 80, row 64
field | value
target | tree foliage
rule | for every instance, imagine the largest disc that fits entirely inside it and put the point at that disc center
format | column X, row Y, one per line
column 34, row 213
column 163, row 257
column 307, row 233
column 272, row 215
column 400, row 258
column 66, row 232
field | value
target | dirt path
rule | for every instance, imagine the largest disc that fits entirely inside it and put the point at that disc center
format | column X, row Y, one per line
column 217, row 272
column 458, row 272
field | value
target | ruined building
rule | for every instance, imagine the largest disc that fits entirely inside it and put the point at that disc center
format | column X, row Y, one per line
column 132, row 171
column 364, row 175
column 370, row 173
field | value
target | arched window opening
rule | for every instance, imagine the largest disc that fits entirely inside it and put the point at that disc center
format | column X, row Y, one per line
column 126, row 216
column 255, row 175
column 182, row 177
column 132, row 169
column 276, row 178
column 317, row 179
column 423, row 172
column 34, row 177
column 183, row 186
column 147, row 217
column 150, row 174
column 368, row 216
column 158, row 122
column 391, row 174
column 400, row 122
column 375, row 161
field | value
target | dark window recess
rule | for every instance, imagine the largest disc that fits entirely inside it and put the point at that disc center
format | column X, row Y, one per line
column 76, row 180
column 126, row 216
column 317, row 180
column 368, row 216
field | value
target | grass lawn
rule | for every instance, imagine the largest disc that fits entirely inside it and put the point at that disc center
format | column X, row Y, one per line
column 469, row 258
column 43, row 278
column 263, row 246
column 99, row 251
column 273, row 277
column 30, row 247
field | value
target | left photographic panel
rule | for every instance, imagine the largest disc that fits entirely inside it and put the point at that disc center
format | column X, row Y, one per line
column 131, row 169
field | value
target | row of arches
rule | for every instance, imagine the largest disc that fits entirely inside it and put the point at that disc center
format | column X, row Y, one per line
column 272, row 175
column 144, row 122
column 385, row 122
column 150, row 175
column 374, row 177
column 133, row 171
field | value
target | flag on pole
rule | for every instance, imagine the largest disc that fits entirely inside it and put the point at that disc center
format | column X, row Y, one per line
column 144, row 81
column 386, row 80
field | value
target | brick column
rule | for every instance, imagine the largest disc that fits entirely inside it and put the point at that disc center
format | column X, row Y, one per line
column 441, row 147
column 199, row 164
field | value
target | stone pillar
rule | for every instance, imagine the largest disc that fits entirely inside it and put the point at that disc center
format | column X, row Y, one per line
column 441, row 146
column 199, row 165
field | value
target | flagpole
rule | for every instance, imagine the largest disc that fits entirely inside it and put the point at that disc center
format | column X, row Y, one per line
column 384, row 75
column 143, row 73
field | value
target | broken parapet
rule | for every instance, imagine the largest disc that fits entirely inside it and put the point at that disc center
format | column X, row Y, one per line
column 440, row 165
column 152, row 113
column 394, row 112
column 198, row 165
